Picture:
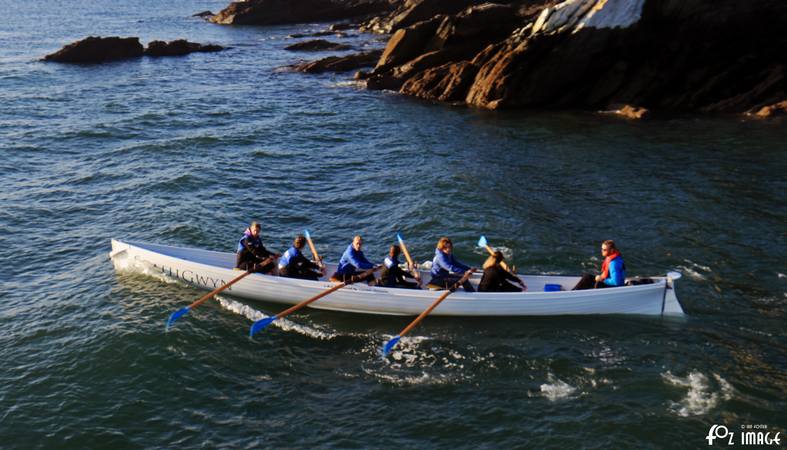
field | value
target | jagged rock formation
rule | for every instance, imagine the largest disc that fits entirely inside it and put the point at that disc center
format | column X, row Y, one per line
column 340, row 63
column 683, row 55
column 95, row 49
column 316, row 45
column 276, row 12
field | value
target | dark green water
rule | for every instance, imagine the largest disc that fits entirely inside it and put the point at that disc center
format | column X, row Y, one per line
column 186, row 150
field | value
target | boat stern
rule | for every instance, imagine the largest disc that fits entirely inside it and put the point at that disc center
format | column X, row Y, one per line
column 671, row 306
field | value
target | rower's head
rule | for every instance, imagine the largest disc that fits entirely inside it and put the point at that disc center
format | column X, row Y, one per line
column 299, row 242
column 608, row 247
column 394, row 251
column 494, row 259
column 357, row 243
column 254, row 228
column 445, row 245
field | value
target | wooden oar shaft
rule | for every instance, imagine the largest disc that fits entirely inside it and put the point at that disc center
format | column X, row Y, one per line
column 410, row 261
column 313, row 249
column 217, row 290
column 300, row 305
column 434, row 305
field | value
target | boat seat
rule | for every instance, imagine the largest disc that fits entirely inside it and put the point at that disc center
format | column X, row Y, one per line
column 434, row 287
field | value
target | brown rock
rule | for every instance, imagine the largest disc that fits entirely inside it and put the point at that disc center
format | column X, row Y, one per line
column 273, row 12
column 204, row 14
column 445, row 83
column 631, row 112
column 343, row 26
column 316, row 45
column 340, row 63
column 413, row 11
column 476, row 27
column 696, row 56
column 777, row 109
column 408, row 43
column 178, row 48
column 318, row 34
column 97, row 49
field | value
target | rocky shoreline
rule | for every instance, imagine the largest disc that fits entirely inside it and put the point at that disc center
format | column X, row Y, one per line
column 626, row 57
column 662, row 55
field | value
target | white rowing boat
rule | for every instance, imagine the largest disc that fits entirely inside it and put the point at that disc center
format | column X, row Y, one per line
column 209, row 270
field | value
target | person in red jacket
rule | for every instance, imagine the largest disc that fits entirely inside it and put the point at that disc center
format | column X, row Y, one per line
column 613, row 270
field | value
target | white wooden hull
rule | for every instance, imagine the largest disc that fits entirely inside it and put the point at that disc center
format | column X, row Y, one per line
column 208, row 270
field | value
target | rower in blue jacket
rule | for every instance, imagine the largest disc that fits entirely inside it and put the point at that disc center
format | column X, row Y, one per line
column 251, row 254
column 353, row 262
column 294, row 265
column 392, row 275
column 447, row 270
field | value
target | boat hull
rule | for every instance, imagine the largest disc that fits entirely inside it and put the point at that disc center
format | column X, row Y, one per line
column 209, row 270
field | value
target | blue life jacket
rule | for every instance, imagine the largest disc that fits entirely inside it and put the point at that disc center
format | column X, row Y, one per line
column 617, row 272
column 247, row 236
column 352, row 260
column 444, row 264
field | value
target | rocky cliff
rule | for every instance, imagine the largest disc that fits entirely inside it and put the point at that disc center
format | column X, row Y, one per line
column 678, row 55
column 666, row 55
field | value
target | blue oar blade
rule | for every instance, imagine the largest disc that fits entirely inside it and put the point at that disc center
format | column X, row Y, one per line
column 482, row 241
column 306, row 233
column 260, row 324
column 399, row 238
column 390, row 345
column 177, row 315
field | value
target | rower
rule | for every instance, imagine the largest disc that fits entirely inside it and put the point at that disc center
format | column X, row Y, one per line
column 251, row 253
column 392, row 275
column 447, row 270
column 294, row 265
column 613, row 270
column 353, row 262
column 496, row 279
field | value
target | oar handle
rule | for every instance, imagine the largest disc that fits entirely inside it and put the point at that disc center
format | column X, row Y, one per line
column 436, row 302
column 210, row 294
column 312, row 248
column 502, row 263
column 352, row 280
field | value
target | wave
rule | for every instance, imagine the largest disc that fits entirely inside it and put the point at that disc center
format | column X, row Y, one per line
column 284, row 324
column 694, row 270
column 556, row 389
column 700, row 398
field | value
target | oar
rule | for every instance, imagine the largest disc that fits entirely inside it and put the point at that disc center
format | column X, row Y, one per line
column 409, row 259
column 482, row 242
column 182, row 311
column 262, row 323
column 312, row 247
column 392, row 343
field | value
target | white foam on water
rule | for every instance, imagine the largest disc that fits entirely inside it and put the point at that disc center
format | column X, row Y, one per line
column 350, row 83
column 556, row 389
column 284, row 324
column 781, row 275
column 694, row 270
column 423, row 379
column 406, row 350
column 700, row 398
